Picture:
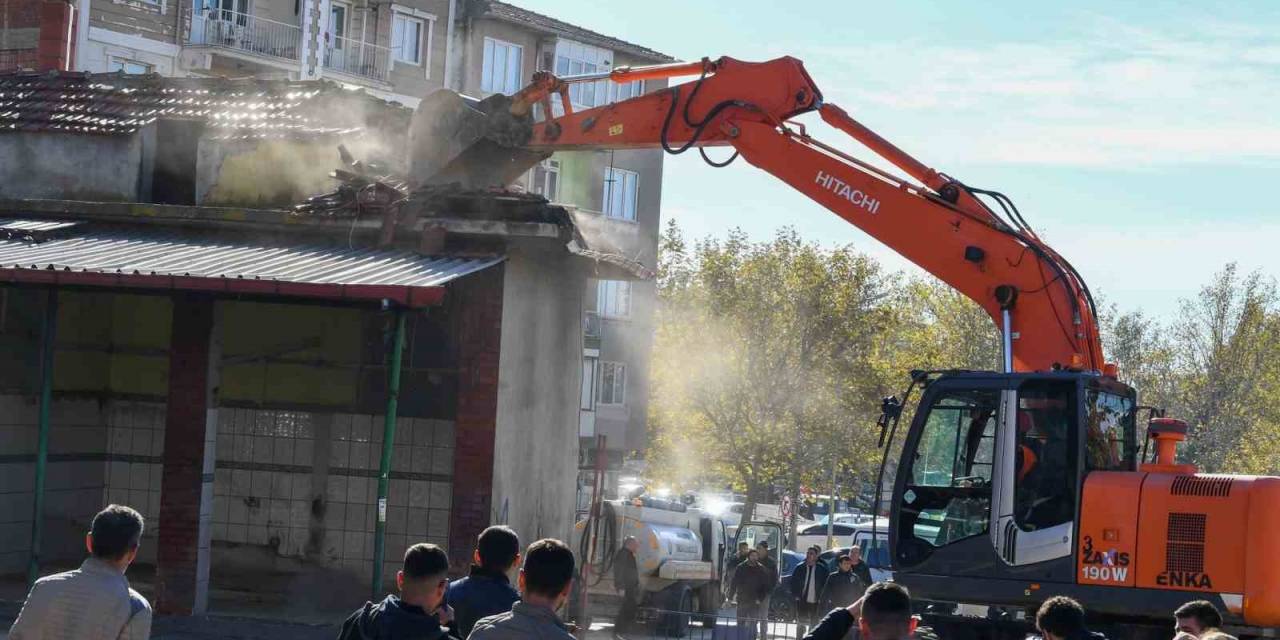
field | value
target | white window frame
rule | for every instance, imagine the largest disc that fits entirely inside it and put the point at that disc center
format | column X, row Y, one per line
column 615, row 178
column 346, row 23
column 613, row 298
column 510, row 83
column 428, row 21
column 579, row 58
column 549, row 167
column 632, row 89
column 618, row 392
column 123, row 62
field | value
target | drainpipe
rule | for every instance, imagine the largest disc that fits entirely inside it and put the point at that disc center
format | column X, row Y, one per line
column 82, row 34
column 42, row 449
column 388, row 441
column 448, row 47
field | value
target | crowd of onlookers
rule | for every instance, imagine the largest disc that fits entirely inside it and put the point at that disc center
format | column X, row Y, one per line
column 95, row 601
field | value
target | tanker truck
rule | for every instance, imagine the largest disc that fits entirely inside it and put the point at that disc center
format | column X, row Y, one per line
column 685, row 558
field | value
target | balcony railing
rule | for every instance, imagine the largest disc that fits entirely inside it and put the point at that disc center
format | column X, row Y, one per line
column 357, row 58
column 11, row 59
column 245, row 32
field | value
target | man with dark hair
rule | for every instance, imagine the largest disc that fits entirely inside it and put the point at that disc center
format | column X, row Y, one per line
column 93, row 602
column 545, row 582
column 772, row 565
column 626, row 580
column 487, row 590
column 1197, row 618
column 883, row 613
column 807, row 584
column 751, row 586
column 844, row 587
column 1061, row 618
column 419, row 611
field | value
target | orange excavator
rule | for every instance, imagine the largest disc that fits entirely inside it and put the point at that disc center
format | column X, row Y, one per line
column 1010, row 486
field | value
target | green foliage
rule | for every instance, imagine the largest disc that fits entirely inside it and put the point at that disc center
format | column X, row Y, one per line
column 770, row 358
column 1217, row 366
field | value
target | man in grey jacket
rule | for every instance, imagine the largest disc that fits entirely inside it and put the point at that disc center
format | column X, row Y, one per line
column 93, row 602
column 545, row 582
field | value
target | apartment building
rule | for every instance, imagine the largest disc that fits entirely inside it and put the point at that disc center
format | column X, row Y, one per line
column 401, row 50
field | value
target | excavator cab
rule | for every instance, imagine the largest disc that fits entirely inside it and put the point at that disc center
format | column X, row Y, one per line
column 988, row 483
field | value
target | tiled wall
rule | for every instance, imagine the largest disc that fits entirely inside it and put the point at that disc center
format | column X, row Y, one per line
column 302, row 484
column 305, row 484
column 74, row 481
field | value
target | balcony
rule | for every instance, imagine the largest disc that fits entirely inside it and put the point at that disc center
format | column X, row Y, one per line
column 246, row 33
column 361, row 59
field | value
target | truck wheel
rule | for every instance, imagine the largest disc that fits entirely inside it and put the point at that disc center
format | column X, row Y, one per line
column 675, row 622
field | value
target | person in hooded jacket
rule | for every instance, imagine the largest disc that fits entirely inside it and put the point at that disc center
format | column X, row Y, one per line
column 418, row 612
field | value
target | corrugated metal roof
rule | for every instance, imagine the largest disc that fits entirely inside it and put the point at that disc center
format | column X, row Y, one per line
column 119, row 103
column 150, row 259
column 35, row 225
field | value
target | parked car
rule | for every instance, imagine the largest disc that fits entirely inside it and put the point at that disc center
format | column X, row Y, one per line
column 816, row 534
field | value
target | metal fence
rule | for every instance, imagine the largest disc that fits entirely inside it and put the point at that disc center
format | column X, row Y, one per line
column 653, row 623
column 246, row 32
column 12, row 59
column 357, row 58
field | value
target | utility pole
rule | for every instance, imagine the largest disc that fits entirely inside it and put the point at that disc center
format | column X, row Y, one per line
column 831, row 503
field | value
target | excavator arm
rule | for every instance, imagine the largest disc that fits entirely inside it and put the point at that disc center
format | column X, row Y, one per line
column 1034, row 295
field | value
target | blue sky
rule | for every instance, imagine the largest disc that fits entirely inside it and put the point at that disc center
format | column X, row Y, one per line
column 1141, row 139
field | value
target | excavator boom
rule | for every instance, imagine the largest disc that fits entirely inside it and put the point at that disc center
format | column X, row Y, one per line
column 1039, row 302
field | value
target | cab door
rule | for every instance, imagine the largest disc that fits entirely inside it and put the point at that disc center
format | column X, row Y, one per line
column 752, row 533
column 1036, row 472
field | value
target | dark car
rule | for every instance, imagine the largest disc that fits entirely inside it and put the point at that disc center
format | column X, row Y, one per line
column 781, row 608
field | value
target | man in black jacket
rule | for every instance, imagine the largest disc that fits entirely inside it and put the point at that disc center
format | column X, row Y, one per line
column 884, row 613
column 807, row 583
column 487, row 590
column 419, row 611
column 751, row 585
column 626, row 579
column 1061, row 618
column 844, row 587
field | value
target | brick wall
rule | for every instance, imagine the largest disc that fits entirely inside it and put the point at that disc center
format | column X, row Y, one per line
column 475, row 304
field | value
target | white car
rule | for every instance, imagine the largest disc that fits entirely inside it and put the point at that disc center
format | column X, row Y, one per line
column 842, row 534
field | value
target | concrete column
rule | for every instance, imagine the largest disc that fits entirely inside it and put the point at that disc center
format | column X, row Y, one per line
column 191, row 424
column 476, row 318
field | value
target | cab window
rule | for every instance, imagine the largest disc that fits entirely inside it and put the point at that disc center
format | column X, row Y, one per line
column 950, row 481
column 1043, row 461
column 1110, row 439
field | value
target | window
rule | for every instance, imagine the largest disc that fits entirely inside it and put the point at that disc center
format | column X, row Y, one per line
column 128, row 66
column 406, row 38
column 544, row 179
column 620, row 194
column 625, row 91
column 574, row 59
column 613, row 298
column 950, row 486
column 613, row 383
column 501, row 71
column 1044, row 481
column 588, row 384
column 338, row 12
column 878, row 555
column 1111, row 440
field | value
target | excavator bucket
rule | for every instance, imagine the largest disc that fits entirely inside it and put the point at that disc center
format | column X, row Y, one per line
column 474, row 144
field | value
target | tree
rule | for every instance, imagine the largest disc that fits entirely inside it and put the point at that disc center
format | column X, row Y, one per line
column 756, row 348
